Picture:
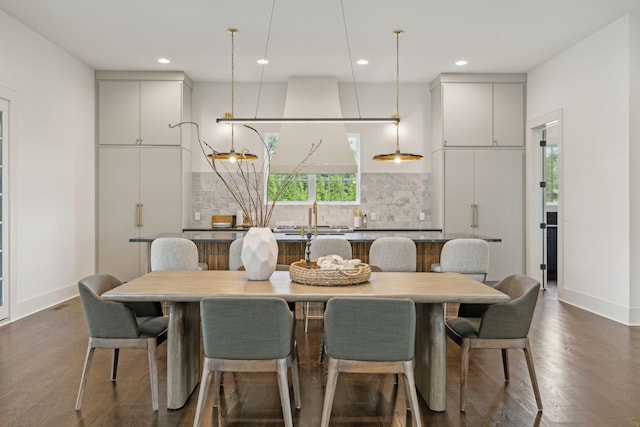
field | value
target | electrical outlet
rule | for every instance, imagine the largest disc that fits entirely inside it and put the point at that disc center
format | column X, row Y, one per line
column 422, row 216
column 373, row 216
column 197, row 216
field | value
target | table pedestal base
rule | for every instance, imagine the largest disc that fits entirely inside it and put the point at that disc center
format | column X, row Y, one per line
column 431, row 355
column 183, row 352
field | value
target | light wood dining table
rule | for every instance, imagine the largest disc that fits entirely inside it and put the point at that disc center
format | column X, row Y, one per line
column 183, row 290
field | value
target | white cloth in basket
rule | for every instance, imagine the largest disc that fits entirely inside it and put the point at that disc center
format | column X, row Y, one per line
column 336, row 262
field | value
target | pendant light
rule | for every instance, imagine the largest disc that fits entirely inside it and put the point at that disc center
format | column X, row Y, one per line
column 397, row 157
column 244, row 154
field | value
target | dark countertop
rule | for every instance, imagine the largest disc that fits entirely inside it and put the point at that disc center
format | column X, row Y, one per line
column 363, row 235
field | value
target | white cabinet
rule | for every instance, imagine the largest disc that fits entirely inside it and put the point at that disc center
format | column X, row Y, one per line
column 131, row 111
column 144, row 167
column 483, row 195
column 140, row 193
column 474, row 114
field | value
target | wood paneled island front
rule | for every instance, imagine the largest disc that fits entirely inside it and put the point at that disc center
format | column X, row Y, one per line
column 213, row 246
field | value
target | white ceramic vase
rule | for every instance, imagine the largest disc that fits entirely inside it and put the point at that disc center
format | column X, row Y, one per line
column 259, row 253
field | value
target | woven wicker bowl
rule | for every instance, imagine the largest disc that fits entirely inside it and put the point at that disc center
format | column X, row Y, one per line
column 314, row 276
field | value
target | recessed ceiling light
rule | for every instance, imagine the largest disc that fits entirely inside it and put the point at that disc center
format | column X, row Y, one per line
column 263, row 61
column 164, row 61
column 362, row 62
column 461, row 62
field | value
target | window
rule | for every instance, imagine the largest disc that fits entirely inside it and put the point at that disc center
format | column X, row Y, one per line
column 330, row 188
column 551, row 172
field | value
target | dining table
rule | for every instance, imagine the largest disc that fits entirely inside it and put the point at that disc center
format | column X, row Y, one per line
column 183, row 291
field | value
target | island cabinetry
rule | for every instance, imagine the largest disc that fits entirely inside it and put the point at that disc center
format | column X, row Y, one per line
column 216, row 254
column 132, row 111
column 471, row 113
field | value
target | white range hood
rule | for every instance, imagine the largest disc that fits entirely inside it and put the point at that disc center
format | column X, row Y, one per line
column 313, row 97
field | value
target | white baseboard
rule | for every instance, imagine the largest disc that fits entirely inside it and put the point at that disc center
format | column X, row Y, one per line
column 21, row 309
column 618, row 313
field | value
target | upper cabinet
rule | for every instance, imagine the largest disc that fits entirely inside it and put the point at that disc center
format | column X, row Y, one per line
column 478, row 110
column 136, row 108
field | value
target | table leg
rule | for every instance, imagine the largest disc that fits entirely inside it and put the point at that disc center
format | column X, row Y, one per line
column 183, row 352
column 431, row 355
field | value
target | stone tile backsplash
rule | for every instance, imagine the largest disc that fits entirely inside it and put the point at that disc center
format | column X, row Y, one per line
column 396, row 200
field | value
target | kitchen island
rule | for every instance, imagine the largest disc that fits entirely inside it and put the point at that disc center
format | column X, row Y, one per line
column 213, row 245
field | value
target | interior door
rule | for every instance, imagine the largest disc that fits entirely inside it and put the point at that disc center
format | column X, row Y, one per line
column 4, row 230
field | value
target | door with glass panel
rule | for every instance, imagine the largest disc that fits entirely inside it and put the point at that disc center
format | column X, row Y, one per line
column 4, row 135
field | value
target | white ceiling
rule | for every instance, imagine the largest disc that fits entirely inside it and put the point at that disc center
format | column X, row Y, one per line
column 308, row 36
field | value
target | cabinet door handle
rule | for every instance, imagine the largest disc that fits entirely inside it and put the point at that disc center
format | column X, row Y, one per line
column 477, row 216
column 138, row 215
column 473, row 216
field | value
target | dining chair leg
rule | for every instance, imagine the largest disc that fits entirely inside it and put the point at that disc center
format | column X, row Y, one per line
column 283, row 385
column 306, row 317
column 152, row 346
column 532, row 373
column 85, row 370
column 465, row 345
column 329, row 391
column 217, row 385
column 505, row 363
column 114, row 363
column 295, row 379
column 204, row 391
column 410, row 388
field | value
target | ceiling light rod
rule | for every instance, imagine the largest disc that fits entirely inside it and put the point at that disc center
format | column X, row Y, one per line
column 397, row 156
column 394, row 120
column 244, row 154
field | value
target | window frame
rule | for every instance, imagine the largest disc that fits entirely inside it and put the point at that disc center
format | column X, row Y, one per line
column 312, row 177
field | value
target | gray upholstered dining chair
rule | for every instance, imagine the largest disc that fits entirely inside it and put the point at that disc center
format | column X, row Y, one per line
column 175, row 253
column 323, row 247
column 392, row 254
column 373, row 335
column 235, row 254
column 502, row 325
column 248, row 334
column 466, row 256
column 330, row 246
column 117, row 325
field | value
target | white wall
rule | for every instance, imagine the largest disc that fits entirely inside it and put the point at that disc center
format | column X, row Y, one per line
column 590, row 84
column 51, row 168
column 634, row 158
column 212, row 100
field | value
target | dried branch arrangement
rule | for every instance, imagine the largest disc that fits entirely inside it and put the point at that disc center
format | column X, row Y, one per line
column 245, row 182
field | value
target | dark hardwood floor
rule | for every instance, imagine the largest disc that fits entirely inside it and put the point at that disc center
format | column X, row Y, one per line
column 587, row 366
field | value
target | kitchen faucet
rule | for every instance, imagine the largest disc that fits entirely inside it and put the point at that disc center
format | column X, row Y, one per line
column 315, row 217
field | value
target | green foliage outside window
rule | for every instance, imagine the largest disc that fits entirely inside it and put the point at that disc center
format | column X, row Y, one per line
column 336, row 187
column 551, row 172
column 297, row 190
